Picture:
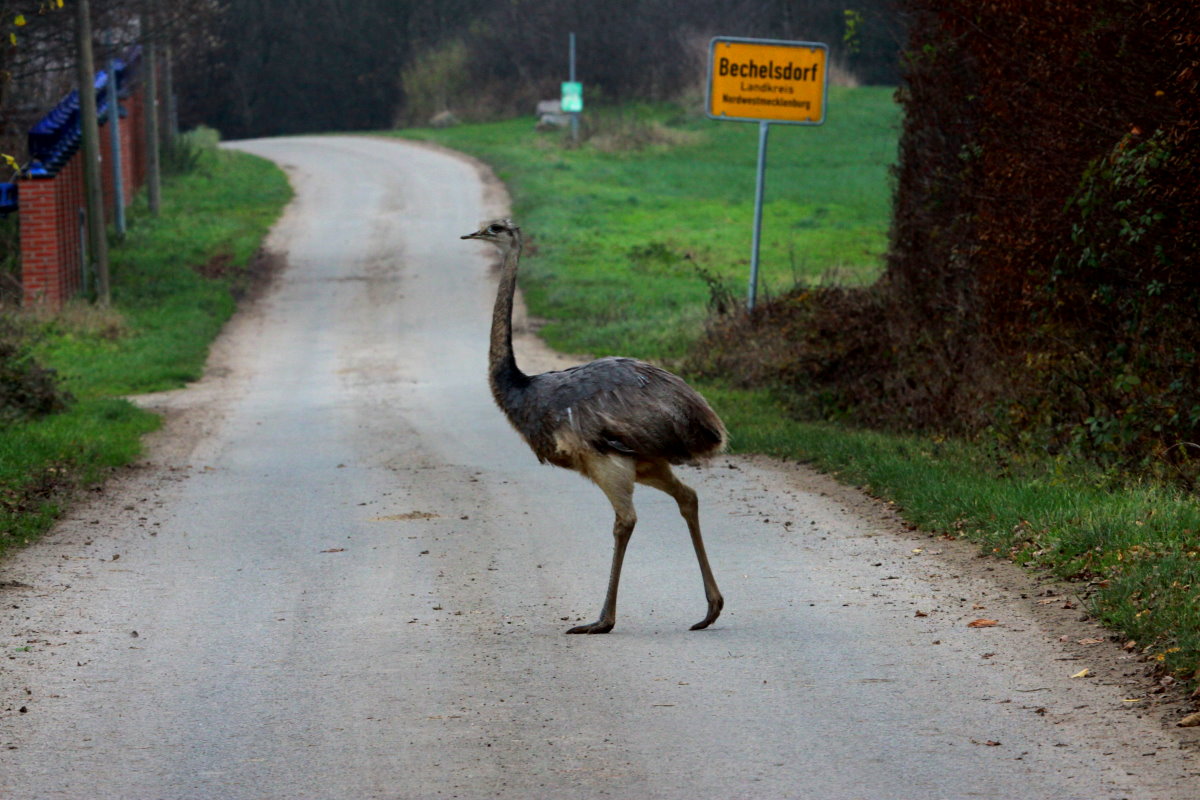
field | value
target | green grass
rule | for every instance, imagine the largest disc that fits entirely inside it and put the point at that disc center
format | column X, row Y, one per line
column 621, row 237
column 165, row 313
column 590, row 212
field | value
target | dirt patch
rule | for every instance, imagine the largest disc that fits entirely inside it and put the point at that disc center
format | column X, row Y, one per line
column 246, row 281
column 406, row 516
column 217, row 267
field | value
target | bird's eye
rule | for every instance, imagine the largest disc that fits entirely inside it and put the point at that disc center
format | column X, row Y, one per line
column 494, row 228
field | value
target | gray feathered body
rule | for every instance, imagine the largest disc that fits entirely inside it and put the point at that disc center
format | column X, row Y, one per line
column 616, row 420
column 612, row 405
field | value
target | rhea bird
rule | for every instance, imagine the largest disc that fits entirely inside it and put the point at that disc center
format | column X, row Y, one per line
column 617, row 421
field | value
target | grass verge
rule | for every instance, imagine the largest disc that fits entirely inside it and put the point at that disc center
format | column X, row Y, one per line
column 635, row 238
column 175, row 281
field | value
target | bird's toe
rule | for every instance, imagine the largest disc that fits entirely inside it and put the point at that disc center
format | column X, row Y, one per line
column 714, row 610
column 599, row 626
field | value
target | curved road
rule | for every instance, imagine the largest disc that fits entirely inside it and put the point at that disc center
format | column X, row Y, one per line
column 339, row 574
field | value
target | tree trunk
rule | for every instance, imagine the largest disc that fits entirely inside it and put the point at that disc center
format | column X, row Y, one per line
column 150, row 63
column 97, row 235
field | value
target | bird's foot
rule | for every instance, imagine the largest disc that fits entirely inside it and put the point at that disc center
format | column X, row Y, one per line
column 599, row 626
column 714, row 610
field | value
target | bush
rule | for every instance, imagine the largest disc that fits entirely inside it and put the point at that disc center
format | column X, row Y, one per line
column 10, row 260
column 27, row 389
column 193, row 150
column 435, row 82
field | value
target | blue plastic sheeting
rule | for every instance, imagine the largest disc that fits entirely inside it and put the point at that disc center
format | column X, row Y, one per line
column 8, row 198
column 55, row 137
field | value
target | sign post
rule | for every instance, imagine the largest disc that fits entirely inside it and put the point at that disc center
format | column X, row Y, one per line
column 572, row 94
column 765, row 81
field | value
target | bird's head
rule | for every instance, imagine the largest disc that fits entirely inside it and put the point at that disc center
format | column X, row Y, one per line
column 503, row 233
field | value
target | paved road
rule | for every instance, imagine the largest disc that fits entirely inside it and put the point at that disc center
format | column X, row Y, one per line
column 339, row 574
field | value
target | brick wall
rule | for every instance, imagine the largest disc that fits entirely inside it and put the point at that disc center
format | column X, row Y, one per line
column 52, row 245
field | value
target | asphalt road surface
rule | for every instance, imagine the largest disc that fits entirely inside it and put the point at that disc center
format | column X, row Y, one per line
column 339, row 573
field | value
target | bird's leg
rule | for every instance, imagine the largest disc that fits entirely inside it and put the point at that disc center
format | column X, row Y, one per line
column 660, row 476
column 622, row 530
column 615, row 477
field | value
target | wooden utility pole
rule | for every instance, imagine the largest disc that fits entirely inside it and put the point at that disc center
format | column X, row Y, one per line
column 97, row 235
column 150, row 64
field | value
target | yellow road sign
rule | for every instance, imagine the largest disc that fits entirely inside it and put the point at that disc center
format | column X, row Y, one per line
column 764, row 80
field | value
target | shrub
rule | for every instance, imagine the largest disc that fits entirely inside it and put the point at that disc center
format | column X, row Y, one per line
column 434, row 81
column 27, row 389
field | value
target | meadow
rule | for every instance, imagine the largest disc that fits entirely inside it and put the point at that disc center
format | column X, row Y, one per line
column 636, row 230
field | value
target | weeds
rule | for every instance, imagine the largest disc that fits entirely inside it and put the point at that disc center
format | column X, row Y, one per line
column 436, row 82
column 27, row 388
column 10, row 260
column 631, row 130
column 192, row 151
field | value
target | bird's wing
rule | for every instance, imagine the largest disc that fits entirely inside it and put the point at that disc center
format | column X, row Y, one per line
column 627, row 406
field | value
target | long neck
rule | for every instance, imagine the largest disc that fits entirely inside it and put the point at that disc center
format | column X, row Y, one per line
column 503, row 373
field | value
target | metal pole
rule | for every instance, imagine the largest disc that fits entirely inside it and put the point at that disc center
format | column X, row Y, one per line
column 763, row 128
column 574, row 114
column 114, row 137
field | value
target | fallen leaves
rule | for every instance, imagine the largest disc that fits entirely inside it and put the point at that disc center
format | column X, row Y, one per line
column 982, row 623
column 1083, row 673
column 1190, row 721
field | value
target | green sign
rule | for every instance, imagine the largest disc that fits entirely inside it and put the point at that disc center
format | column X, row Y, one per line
column 572, row 97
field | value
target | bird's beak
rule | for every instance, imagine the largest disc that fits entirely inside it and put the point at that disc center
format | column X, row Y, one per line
column 474, row 235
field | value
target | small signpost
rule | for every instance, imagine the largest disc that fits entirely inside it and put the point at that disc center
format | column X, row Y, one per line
column 572, row 93
column 765, row 81
column 572, row 97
